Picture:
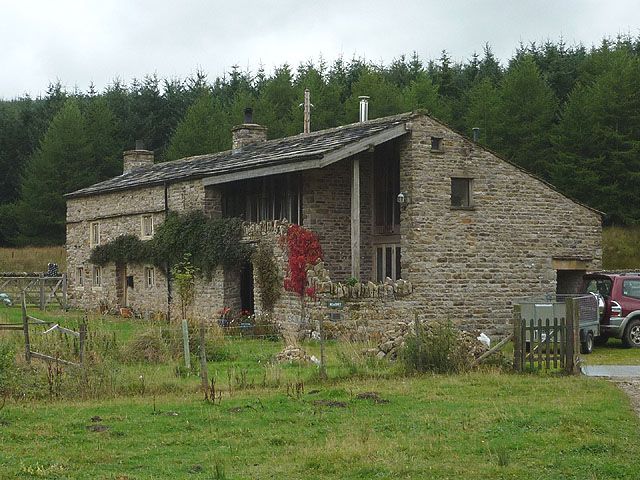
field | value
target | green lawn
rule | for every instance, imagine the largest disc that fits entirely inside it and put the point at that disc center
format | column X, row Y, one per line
column 154, row 424
column 613, row 353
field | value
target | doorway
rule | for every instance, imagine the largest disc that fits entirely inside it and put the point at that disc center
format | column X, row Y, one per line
column 246, row 289
column 121, row 285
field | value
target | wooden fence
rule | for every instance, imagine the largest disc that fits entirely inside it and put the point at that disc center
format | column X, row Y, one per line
column 546, row 343
column 29, row 321
column 38, row 290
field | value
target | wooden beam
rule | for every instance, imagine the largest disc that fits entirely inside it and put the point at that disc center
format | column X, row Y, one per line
column 355, row 219
column 42, row 356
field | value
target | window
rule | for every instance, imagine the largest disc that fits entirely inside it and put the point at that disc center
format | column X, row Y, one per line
column 386, row 187
column 387, row 262
column 631, row 288
column 149, row 277
column 97, row 276
column 94, row 234
column 147, row 226
column 461, row 192
column 268, row 198
column 436, row 144
column 80, row 277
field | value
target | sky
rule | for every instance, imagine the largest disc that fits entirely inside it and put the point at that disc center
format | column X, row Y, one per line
column 79, row 42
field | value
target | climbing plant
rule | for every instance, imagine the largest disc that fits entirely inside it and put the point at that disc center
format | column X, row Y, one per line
column 267, row 277
column 304, row 250
column 208, row 242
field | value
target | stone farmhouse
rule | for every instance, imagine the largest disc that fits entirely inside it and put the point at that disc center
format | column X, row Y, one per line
column 428, row 221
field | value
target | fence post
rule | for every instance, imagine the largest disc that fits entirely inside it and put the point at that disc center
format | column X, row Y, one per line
column 573, row 335
column 203, row 361
column 517, row 338
column 64, row 292
column 323, row 368
column 41, row 284
column 25, row 326
column 185, row 344
column 83, row 339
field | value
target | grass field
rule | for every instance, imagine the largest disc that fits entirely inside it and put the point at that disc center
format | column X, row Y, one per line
column 32, row 259
column 367, row 421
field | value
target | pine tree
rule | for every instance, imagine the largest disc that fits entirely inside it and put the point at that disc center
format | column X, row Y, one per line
column 59, row 166
column 204, row 129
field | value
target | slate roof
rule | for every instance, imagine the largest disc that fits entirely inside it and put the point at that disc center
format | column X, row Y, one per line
column 289, row 150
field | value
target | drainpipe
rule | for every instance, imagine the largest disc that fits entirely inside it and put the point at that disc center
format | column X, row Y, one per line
column 166, row 214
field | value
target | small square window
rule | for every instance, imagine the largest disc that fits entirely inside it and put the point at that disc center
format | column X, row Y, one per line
column 94, row 234
column 97, row 276
column 436, row 144
column 80, row 276
column 150, row 277
column 147, row 226
column 461, row 192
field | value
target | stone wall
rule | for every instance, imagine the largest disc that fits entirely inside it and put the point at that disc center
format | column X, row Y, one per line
column 467, row 265
column 120, row 213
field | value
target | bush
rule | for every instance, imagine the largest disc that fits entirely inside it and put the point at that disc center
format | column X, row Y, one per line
column 437, row 347
column 147, row 347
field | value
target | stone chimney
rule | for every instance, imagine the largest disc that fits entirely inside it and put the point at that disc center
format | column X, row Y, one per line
column 138, row 158
column 248, row 133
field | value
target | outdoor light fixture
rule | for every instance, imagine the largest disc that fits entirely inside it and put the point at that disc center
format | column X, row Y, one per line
column 403, row 199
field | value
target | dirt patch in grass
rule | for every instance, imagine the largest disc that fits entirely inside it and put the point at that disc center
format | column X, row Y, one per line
column 98, row 428
column 373, row 396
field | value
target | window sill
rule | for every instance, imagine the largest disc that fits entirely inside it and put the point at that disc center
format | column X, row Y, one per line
column 468, row 208
column 96, row 289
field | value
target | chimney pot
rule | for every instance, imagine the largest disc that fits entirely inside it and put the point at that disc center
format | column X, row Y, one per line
column 364, row 108
column 476, row 133
column 248, row 133
column 248, row 115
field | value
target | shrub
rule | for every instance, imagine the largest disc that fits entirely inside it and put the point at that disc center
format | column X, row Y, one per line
column 147, row 346
column 437, row 347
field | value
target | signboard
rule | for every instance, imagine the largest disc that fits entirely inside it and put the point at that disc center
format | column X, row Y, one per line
column 336, row 304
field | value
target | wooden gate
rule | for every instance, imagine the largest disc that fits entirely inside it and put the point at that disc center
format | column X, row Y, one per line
column 547, row 343
column 38, row 290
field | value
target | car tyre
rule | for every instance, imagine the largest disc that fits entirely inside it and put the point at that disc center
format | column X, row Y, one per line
column 586, row 347
column 631, row 337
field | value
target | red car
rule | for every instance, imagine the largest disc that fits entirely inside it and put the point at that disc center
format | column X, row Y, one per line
column 621, row 315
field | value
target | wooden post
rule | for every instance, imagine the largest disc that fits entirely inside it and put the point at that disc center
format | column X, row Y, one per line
column 355, row 219
column 307, row 112
column 25, row 326
column 204, row 377
column 65, row 306
column 185, row 344
column 573, row 335
column 41, row 284
column 517, row 338
column 83, row 338
column 323, row 368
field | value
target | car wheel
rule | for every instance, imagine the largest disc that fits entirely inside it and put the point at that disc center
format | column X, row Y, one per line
column 600, row 340
column 631, row 337
column 586, row 347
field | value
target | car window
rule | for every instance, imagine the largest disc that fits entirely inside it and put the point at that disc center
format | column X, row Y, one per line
column 631, row 288
column 599, row 285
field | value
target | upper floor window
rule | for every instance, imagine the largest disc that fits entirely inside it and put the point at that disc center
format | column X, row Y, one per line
column 386, row 187
column 436, row 144
column 147, row 226
column 94, row 234
column 461, row 192
column 269, row 198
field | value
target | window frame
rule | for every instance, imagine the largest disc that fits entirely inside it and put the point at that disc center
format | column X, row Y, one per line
column 96, row 278
column 143, row 235
column 470, row 205
column 80, row 276
column 149, row 277
column 94, row 239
